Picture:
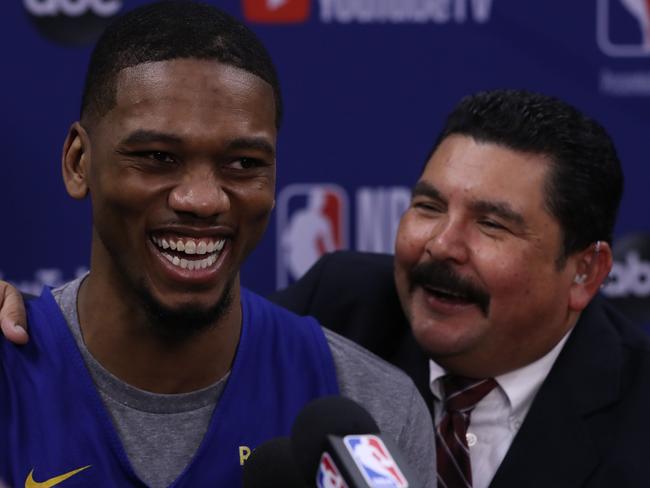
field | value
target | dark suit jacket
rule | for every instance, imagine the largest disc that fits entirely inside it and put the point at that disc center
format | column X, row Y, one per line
column 589, row 424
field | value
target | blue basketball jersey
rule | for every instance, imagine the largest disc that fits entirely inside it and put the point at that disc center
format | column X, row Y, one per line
column 54, row 427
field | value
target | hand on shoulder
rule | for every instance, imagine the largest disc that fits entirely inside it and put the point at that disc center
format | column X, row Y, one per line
column 12, row 314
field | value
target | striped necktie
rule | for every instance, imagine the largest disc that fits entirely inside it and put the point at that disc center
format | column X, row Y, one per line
column 461, row 396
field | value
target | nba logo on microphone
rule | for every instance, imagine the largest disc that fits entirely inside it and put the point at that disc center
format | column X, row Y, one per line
column 311, row 221
column 623, row 27
column 328, row 475
column 374, row 461
column 276, row 11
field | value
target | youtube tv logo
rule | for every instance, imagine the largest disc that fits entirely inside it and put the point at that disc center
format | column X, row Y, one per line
column 276, row 11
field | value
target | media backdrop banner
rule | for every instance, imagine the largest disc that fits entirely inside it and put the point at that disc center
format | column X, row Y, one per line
column 366, row 84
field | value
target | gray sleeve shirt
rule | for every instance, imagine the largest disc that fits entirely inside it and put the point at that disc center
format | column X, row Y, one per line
column 147, row 423
column 391, row 398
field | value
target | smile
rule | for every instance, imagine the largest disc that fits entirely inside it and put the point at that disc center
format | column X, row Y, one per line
column 447, row 302
column 448, row 295
column 186, row 252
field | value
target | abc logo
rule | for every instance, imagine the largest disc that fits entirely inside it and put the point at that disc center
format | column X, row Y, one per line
column 629, row 280
column 71, row 22
column 73, row 8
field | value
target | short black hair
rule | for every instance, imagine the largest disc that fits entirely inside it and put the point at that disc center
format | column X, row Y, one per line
column 172, row 29
column 585, row 183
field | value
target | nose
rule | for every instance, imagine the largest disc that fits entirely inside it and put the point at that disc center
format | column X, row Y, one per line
column 200, row 193
column 448, row 241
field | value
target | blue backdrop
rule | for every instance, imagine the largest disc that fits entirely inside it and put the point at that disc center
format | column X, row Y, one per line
column 366, row 85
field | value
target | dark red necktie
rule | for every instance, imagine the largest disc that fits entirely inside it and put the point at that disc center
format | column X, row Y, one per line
column 461, row 396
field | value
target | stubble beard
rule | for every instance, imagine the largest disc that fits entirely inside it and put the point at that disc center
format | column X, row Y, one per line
column 172, row 326
column 175, row 326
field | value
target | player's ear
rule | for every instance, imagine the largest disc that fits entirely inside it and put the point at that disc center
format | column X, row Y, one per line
column 75, row 161
column 592, row 267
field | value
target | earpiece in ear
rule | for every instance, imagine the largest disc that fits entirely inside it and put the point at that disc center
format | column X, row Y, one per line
column 597, row 247
column 580, row 279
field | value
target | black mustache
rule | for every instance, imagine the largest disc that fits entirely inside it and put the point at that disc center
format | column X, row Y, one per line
column 441, row 274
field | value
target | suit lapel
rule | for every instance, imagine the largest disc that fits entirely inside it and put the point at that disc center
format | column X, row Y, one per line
column 557, row 445
column 552, row 448
column 410, row 357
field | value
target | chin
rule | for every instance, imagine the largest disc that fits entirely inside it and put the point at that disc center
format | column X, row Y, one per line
column 440, row 338
column 178, row 323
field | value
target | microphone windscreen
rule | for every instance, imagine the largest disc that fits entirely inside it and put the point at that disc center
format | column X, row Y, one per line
column 272, row 465
column 332, row 415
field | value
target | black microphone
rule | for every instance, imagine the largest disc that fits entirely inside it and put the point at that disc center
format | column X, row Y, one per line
column 272, row 465
column 336, row 443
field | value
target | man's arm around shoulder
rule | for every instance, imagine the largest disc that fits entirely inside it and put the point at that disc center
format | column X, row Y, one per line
column 12, row 314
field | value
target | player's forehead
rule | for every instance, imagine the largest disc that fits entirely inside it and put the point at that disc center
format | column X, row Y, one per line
column 188, row 98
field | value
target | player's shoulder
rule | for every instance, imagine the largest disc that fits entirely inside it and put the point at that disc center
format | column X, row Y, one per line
column 261, row 307
column 364, row 376
column 389, row 395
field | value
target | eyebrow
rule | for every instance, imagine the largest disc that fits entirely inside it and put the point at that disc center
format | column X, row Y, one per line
column 143, row 136
column 500, row 209
column 255, row 143
column 422, row 188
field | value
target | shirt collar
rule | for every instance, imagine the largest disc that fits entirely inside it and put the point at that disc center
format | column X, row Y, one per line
column 519, row 386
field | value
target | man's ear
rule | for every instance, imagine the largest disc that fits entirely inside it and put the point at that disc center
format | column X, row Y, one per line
column 76, row 161
column 592, row 267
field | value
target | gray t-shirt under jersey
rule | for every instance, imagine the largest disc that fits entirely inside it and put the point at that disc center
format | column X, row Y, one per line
column 161, row 433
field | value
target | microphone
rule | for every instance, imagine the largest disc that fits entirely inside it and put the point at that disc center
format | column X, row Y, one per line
column 337, row 444
column 272, row 465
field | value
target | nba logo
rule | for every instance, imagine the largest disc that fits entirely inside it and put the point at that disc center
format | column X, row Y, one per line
column 374, row 461
column 623, row 27
column 311, row 221
column 328, row 475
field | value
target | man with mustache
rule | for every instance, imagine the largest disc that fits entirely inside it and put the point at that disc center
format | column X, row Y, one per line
column 490, row 302
column 491, row 305
column 158, row 368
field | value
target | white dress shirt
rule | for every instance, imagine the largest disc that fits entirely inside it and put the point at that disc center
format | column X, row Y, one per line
column 495, row 420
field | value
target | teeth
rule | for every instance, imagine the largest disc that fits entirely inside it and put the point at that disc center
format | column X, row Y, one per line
column 448, row 294
column 191, row 247
column 191, row 264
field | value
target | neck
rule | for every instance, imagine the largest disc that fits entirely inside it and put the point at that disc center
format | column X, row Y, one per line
column 482, row 363
column 120, row 335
